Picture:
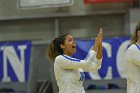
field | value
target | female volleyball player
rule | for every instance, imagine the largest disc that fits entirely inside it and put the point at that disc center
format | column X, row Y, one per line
column 69, row 71
column 133, row 63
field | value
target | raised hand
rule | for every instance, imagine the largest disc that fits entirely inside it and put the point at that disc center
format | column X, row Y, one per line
column 99, row 52
column 98, row 41
column 100, row 36
column 96, row 44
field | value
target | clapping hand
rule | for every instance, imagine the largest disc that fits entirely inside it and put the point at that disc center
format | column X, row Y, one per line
column 98, row 41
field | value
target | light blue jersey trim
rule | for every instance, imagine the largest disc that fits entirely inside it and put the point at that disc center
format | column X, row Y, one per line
column 138, row 46
column 87, row 56
column 72, row 59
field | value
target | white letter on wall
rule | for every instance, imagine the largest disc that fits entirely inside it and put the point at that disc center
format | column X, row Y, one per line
column 95, row 74
column 17, row 63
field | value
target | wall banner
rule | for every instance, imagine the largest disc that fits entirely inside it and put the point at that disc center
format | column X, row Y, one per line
column 14, row 61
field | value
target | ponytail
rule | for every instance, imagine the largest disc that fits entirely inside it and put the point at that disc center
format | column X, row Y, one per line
column 50, row 51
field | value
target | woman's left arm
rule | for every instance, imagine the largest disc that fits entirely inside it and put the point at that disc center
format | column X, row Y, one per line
column 98, row 60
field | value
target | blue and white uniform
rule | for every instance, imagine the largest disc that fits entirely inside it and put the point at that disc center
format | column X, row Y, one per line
column 133, row 68
column 69, row 71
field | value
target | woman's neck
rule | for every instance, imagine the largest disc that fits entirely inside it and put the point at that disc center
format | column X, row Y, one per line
column 67, row 54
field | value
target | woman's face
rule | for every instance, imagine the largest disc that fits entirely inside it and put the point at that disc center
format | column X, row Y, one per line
column 69, row 46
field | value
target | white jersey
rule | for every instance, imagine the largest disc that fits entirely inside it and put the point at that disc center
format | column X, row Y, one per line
column 133, row 68
column 69, row 71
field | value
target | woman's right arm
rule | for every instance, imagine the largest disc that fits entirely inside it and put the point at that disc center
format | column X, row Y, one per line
column 72, row 63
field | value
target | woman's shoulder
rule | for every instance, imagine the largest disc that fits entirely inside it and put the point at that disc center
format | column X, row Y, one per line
column 132, row 47
column 59, row 57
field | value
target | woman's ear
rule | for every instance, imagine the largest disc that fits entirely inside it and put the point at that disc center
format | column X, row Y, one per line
column 62, row 46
